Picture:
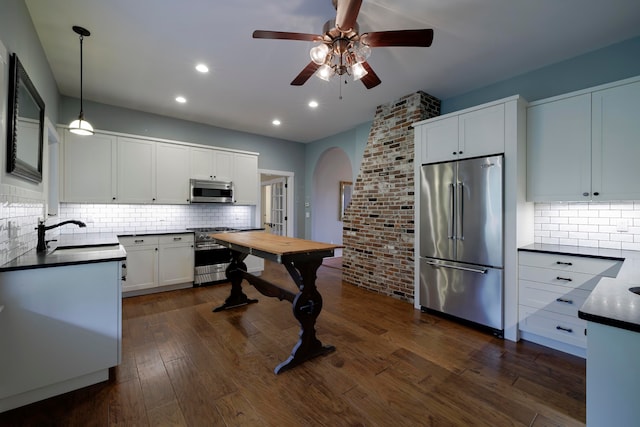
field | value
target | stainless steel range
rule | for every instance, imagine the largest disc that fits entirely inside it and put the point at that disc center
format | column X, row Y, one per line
column 211, row 259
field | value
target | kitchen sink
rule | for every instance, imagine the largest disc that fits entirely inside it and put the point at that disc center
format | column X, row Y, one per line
column 635, row 290
column 82, row 250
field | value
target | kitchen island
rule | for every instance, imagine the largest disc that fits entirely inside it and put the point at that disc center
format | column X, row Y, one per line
column 612, row 315
column 301, row 258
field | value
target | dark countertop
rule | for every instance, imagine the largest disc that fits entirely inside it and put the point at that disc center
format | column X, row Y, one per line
column 113, row 250
column 610, row 303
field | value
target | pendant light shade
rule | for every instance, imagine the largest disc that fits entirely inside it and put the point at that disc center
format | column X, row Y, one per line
column 80, row 126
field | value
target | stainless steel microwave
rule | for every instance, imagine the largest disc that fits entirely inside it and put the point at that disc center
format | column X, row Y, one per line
column 203, row 191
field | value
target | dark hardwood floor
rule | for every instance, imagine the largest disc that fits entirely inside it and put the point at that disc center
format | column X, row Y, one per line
column 394, row 366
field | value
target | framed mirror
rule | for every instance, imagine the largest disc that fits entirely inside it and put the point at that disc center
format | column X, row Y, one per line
column 26, row 125
column 346, row 189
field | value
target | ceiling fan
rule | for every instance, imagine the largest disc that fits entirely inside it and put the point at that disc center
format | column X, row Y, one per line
column 341, row 49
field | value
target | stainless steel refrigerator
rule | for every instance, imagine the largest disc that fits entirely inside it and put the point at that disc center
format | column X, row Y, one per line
column 461, row 240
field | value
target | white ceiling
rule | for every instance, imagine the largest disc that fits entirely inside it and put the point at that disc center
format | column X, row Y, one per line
column 141, row 54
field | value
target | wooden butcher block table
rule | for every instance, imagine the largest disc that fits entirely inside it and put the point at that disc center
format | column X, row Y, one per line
column 302, row 258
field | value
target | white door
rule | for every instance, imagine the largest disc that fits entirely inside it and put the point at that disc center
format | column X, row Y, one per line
column 275, row 209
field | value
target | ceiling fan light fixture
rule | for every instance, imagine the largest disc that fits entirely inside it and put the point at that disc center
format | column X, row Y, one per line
column 325, row 72
column 362, row 52
column 358, row 71
column 319, row 53
column 81, row 126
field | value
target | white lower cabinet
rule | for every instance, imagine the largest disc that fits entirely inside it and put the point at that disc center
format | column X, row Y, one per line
column 552, row 288
column 158, row 262
column 60, row 330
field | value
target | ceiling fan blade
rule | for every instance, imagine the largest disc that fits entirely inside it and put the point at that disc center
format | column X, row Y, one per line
column 347, row 14
column 420, row 38
column 305, row 74
column 371, row 79
column 283, row 35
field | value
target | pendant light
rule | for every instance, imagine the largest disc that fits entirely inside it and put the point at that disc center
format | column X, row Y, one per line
column 81, row 126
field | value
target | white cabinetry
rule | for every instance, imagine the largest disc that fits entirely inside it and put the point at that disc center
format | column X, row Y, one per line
column 458, row 136
column 157, row 263
column 136, row 170
column 172, row 174
column 88, row 168
column 207, row 163
column 60, row 330
column 553, row 287
column 583, row 146
column 245, row 179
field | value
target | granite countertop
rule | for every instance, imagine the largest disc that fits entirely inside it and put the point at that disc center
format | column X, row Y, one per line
column 610, row 303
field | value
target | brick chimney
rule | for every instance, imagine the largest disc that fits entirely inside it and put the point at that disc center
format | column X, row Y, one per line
column 378, row 230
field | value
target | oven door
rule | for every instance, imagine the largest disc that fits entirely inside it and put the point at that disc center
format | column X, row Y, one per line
column 211, row 261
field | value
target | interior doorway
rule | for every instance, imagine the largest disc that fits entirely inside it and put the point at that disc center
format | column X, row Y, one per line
column 276, row 202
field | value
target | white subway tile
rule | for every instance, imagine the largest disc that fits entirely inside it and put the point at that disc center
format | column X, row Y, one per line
column 598, row 236
column 610, row 245
column 599, row 221
column 571, row 242
column 621, row 237
column 631, row 246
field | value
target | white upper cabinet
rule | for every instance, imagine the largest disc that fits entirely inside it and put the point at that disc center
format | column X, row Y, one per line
column 616, row 142
column 559, row 150
column 88, row 168
column 136, row 170
column 172, row 174
column 208, row 163
column 584, row 146
column 245, row 179
column 472, row 134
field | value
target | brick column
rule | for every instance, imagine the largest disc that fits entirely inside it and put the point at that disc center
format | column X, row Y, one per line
column 378, row 228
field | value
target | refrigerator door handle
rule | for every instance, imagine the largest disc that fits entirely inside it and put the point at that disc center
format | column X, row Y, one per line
column 452, row 204
column 460, row 225
column 459, row 267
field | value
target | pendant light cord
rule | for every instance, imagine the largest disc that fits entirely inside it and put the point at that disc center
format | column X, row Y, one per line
column 81, row 97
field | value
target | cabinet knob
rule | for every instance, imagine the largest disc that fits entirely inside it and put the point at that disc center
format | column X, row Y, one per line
column 454, row 153
column 153, row 200
column 596, row 193
column 459, row 152
column 585, row 194
column 113, row 198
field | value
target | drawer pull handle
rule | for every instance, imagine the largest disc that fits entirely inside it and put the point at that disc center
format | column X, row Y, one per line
column 566, row 279
column 566, row 301
column 177, row 239
column 139, row 241
column 562, row 328
column 563, row 263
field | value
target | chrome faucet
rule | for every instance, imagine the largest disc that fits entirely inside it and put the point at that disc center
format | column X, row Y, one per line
column 42, row 244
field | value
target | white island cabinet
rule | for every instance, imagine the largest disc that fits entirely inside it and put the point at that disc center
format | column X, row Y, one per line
column 60, row 330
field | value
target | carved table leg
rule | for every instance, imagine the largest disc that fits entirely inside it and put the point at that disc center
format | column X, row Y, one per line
column 234, row 273
column 306, row 308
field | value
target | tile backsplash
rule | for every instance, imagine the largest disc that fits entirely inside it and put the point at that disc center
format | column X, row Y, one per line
column 20, row 210
column 140, row 218
column 613, row 225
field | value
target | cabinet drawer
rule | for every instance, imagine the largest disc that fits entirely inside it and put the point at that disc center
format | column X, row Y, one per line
column 568, row 279
column 138, row 240
column 186, row 238
column 557, row 299
column 588, row 265
column 559, row 327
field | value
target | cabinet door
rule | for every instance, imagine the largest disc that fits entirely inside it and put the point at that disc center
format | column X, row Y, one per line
column 88, row 168
column 440, row 140
column 481, row 132
column 136, row 170
column 559, row 150
column 202, row 163
column 142, row 267
column 245, row 179
column 172, row 174
column 616, row 144
column 223, row 166
column 176, row 262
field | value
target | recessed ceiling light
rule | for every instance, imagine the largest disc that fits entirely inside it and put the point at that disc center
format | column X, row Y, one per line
column 276, row 122
column 181, row 99
column 202, row 68
column 313, row 104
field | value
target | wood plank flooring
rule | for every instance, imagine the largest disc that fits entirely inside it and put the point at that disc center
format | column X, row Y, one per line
column 394, row 366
